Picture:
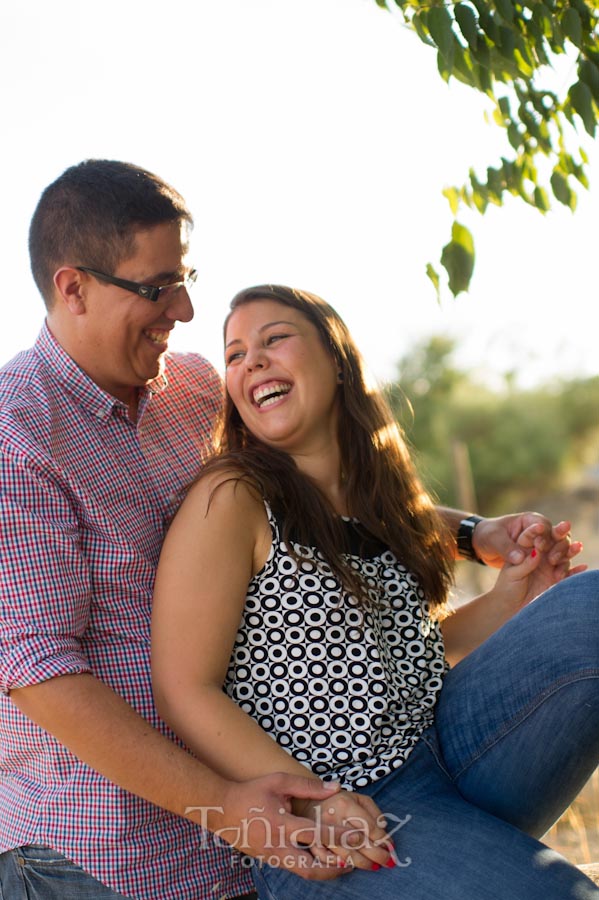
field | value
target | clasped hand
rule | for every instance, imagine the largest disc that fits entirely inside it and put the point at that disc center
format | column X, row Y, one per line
column 300, row 824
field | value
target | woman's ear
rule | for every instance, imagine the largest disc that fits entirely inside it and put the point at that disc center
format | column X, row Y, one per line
column 70, row 289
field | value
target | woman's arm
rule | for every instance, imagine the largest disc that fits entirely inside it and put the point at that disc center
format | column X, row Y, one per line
column 516, row 586
column 218, row 540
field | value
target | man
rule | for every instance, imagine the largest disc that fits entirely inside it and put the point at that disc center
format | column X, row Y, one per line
column 98, row 438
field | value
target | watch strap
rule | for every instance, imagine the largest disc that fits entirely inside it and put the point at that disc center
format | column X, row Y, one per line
column 464, row 538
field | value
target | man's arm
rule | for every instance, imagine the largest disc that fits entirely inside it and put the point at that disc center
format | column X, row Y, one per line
column 103, row 731
column 45, row 595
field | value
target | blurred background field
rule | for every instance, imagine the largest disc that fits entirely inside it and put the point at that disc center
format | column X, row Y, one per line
column 576, row 834
column 493, row 447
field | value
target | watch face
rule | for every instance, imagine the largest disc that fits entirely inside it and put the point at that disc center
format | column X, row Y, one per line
column 464, row 537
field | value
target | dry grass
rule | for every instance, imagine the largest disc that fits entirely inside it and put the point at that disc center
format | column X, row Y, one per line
column 576, row 834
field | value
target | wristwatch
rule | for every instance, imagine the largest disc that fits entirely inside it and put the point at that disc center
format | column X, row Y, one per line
column 464, row 538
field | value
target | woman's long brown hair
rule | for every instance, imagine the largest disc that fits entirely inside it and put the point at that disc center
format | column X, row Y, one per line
column 383, row 490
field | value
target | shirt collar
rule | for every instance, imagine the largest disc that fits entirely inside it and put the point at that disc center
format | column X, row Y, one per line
column 84, row 390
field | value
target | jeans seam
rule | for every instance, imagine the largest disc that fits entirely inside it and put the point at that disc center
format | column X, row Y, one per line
column 257, row 873
column 435, row 752
column 525, row 713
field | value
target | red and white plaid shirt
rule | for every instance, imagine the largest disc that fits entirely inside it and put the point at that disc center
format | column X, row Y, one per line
column 85, row 498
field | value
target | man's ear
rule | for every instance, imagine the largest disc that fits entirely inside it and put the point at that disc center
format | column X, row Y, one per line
column 70, row 286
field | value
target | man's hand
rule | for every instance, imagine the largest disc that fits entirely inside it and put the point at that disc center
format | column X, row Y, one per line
column 256, row 817
column 510, row 538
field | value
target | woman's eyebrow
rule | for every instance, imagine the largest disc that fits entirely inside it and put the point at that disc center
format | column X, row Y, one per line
column 263, row 328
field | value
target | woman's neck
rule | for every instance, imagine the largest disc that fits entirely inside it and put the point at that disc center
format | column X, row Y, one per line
column 324, row 469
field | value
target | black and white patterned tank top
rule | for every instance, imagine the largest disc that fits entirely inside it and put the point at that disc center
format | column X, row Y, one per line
column 346, row 690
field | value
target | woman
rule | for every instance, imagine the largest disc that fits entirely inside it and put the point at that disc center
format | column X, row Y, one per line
column 308, row 571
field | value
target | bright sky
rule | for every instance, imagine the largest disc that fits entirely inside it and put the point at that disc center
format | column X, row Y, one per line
column 312, row 140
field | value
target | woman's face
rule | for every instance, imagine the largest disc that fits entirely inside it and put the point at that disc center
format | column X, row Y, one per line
column 281, row 378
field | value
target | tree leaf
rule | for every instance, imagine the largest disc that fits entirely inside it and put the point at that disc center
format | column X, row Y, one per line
column 541, row 199
column 453, row 197
column 439, row 25
column 582, row 102
column 419, row 25
column 505, row 9
column 489, row 26
column 434, row 277
column 542, row 17
column 507, row 41
column 468, row 23
column 572, row 26
column 561, row 189
column 458, row 259
column 514, row 136
column 588, row 72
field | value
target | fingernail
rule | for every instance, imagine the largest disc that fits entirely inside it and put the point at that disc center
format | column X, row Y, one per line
column 515, row 557
column 533, row 553
column 341, row 863
column 375, row 867
column 390, row 864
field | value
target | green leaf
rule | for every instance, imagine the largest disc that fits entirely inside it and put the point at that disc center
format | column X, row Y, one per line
column 507, row 41
column 505, row 9
column 468, row 23
column 514, row 136
column 561, row 189
column 524, row 67
column 453, row 197
column 585, row 14
column 489, row 26
column 589, row 74
column 439, row 25
column 582, row 103
column 458, row 259
column 495, row 184
column 434, row 277
column 463, row 68
column 443, row 66
column 542, row 17
column 541, row 199
column 482, row 53
column 419, row 25
column 572, row 26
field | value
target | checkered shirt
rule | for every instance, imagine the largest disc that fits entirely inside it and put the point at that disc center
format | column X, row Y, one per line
column 85, row 497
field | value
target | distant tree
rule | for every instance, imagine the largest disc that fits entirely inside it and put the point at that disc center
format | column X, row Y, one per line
column 506, row 48
column 519, row 443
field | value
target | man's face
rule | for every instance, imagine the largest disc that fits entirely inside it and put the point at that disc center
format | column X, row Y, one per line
column 122, row 338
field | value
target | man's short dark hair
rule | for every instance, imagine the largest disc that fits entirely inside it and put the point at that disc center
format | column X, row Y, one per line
column 90, row 214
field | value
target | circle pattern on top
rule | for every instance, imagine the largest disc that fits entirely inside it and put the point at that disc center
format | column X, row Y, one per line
column 346, row 690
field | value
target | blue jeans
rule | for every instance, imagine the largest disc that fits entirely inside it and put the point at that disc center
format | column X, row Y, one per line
column 39, row 873
column 516, row 736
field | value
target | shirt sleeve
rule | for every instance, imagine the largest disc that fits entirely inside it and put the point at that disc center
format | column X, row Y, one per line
column 44, row 578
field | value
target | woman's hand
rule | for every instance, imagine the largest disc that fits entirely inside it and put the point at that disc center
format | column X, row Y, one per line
column 365, row 846
column 539, row 569
column 506, row 539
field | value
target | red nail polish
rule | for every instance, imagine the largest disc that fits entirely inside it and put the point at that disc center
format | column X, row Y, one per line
column 390, row 864
column 375, row 867
column 341, row 863
column 534, row 553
